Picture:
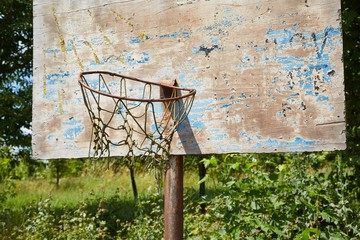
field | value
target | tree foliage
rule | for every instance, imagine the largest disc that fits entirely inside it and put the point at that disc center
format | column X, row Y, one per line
column 16, row 71
column 351, row 57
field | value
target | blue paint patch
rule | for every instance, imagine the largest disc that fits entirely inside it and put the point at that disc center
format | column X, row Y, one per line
column 328, row 32
column 68, row 47
column 198, row 125
column 97, row 41
column 298, row 142
column 72, row 121
column 226, row 105
column 196, row 51
column 322, row 98
column 51, row 137
column 308, row 86
column 137, row 40
column 329, row 107
column 227, row 21
column 258, row 50
column 242, row 96
column 182, row 77
column 73, row 132
column 63, row 111
column 134, row 59
column 202, row 104
column 181, row 142
column 290, row 62
column 306, row 70
column 265, row 60
column 213, row 130
column 53, row 81
column 153, row 127
column 51, row 93
column 215, row 41
column 221, row 136
column 323, row 66
column 244, row 134
column 176, row 35
column 285, row 38
column 196, row 116
column 52, row 51
column 55, row 78
column 281, row 36
column 94, row 63
column 291, row 100
column 310, row 93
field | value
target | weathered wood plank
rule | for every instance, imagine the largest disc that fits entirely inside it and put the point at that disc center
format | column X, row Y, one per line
column 268, row 74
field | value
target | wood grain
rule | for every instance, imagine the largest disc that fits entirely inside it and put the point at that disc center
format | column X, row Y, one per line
column 268, row 74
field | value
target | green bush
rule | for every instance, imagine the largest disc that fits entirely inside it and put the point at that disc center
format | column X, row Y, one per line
column 255, row 196
column 287, row 198
column 149, row 221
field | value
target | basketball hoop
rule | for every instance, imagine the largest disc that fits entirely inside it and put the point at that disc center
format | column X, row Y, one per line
column 133, row 117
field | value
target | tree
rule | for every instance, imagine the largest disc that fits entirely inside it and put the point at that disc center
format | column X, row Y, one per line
column 16, row 72
column 58, row 169
column 351, row 38
column 351, row 26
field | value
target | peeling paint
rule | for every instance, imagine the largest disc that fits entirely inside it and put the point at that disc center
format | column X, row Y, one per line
column 274, row 143
column 123, row 18
column 73, row 132
column 44, row 80
column 267, row 74
column 77, row 56
column 93, row 51
column 60, row 35
column 60, row 106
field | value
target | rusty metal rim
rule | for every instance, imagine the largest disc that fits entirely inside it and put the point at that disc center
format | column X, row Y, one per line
column 82, row 83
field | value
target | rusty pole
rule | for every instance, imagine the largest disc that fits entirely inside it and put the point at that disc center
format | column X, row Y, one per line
column 173, row 199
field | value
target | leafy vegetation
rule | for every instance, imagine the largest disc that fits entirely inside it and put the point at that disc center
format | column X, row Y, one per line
column 256, row 196
column 16, row 71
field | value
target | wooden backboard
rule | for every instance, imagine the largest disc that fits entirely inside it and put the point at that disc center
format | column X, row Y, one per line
column 268, row 74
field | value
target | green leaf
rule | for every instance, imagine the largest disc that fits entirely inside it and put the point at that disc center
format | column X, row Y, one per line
column 213, row 161
column 329, row 216
column 203, row 179
column 206, row 162
column 282, row 167
column 235, row 166
column 248, row 166
column 309, row 205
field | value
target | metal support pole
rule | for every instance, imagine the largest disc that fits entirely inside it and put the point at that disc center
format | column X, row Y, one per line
column 173, row 199
column 202, row 173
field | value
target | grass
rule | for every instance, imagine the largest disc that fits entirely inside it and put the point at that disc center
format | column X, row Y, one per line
column 72, row 190
column 278, row 202
column 91, row 189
